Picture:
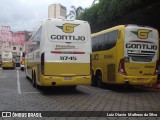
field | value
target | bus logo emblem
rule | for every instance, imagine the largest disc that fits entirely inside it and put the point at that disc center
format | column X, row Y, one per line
column 142, row 33
column 68, row 28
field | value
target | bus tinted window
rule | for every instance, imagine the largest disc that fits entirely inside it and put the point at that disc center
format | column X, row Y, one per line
column 112, row 39
column 100, row 41
column 105, row 41
column 142, row 58
column 95, row 44
column 35, row 41
column 105, row 45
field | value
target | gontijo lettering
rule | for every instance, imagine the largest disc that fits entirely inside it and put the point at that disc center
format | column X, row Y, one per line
column 141, row 46
column 67, row 37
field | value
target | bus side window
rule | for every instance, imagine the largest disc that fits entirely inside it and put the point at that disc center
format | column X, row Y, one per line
column 101, row 42
column 95, row 44
column 112, row 38
column 105, row 45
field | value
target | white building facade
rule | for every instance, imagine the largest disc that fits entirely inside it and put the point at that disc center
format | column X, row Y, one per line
column 57, row 11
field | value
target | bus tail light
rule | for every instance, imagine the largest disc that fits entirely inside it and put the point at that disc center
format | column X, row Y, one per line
column 58, row 52
column 55, row 52
column 156, row 70
column 121, row 68
column 79, row 52
column 42, row 63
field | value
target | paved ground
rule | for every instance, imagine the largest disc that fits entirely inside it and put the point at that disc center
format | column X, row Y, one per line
column 17, row 94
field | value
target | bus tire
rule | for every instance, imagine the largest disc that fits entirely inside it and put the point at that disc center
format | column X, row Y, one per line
column 33, row 80
column 99, row 80
column 22, row 69
column 35, row 85
column 93, row 82
column 26, row 75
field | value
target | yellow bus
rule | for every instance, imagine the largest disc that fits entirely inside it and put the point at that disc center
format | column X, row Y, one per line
column 7, row 60
column 59, row 54
column 125, row 54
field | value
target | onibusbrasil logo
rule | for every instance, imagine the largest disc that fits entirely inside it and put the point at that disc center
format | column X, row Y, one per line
column 67, row 27
column 142, row 33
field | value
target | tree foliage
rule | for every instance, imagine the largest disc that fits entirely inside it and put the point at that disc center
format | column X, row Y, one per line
column 108, row 10
column 75, row 12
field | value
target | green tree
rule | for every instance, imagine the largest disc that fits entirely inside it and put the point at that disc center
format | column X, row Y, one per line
column 94, row 1
column 75, row 12
column 106, row 11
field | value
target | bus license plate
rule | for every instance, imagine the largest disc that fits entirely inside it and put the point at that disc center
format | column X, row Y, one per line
column 140, row 79
column 67, row 78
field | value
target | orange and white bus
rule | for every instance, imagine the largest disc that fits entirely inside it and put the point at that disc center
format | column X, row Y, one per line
column 125, row 54
column 59, row 54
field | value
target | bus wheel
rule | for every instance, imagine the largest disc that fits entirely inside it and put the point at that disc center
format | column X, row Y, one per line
column 99, row 80
column 22, row 68
column 26, row 75
column 93, row 82
column 35, row 85
column 34, row 80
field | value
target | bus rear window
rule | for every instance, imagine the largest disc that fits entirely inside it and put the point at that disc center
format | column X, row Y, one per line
column 142, row 58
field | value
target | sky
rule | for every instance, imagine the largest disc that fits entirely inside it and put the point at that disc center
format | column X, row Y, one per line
column 26, row 14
